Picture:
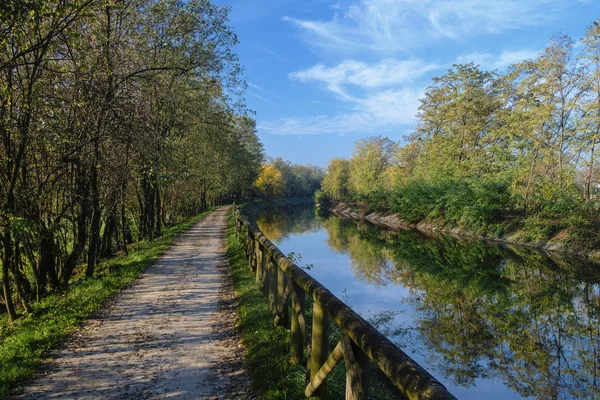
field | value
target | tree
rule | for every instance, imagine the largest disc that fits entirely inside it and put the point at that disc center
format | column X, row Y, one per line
column 270, row 181
column 591, row 104
column 456, row 116
column 116, row 118
column 370, row 159
column 335, row 182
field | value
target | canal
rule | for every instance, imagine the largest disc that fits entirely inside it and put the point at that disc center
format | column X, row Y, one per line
column 488, row 321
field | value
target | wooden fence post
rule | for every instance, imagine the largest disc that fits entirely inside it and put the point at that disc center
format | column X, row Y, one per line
column 281, row 283
column 264, row 275
column 250, row 248
column 281, row 278
column 259, row 264
column 272, row 277
column 320, row 334
column 357, row 370
column 298, row 337
column 254, row 261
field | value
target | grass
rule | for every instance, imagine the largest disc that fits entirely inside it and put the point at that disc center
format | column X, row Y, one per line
column 267, row 347
column 58, row 315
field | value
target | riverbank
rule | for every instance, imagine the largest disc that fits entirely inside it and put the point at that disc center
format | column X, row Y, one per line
column 457, row 305
column 512, row 234
column 266, row 346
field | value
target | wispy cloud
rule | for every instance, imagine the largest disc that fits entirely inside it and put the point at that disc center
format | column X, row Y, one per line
column 258, row 96
column 380, row 96
column 391, row 25
column 386, row 73
column 273, row 54
column 263, row 91
column 384, row 95
column 498, row 61
column 370, row 114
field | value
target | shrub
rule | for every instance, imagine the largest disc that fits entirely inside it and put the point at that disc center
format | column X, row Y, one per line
column 322, row 199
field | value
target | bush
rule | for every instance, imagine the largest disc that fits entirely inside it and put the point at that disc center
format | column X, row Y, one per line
column 377, row 198
column 476, row 204
column 322, row 199
column 414, row 200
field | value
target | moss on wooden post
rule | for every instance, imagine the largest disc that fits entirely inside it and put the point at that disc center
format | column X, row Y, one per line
column 264, row 266
column 298, row 304
column 259, row 264
column 320, row 334
column 357, row 364
column 284, row 320
column 272, row 277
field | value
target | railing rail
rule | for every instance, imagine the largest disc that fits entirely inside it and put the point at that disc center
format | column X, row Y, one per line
column 284, row 282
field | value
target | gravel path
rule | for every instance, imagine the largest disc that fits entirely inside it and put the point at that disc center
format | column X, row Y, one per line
column 171, row 335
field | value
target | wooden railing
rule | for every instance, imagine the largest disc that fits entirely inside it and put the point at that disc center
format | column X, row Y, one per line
column 284, row 282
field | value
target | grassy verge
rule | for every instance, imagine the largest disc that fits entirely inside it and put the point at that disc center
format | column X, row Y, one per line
column 59, row 314
column 267, row 347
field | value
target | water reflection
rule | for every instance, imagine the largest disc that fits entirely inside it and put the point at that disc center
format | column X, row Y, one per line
column 487, row 320
column 278, row 222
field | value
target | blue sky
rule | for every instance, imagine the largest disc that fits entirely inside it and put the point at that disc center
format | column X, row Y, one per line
column 323, row 74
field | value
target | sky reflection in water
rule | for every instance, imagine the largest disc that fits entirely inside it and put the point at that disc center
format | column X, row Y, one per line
column 488, row 321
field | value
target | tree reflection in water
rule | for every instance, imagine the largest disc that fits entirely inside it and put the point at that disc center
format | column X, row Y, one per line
column 484, row 310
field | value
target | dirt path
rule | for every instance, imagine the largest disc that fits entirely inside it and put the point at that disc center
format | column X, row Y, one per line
column 170, row 335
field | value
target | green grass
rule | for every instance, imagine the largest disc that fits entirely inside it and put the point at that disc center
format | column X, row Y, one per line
column 267, row 347
column 59, row 314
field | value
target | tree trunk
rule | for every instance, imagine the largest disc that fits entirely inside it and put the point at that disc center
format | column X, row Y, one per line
column 530, row 179
column 46, row 266
column 82, row 234
column 94, row 246
column 21, row 283
column 6, row 267
column 157, row 231
column 149, row 203
column 111, row 236
column 588, row 183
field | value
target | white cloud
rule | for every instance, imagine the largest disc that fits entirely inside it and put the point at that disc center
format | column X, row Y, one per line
column 391, row 25
column 380, row 110
column 386, row 73
column 274, row 54
column 263, row 91
column 385, row 94
column 373, row 92
column 498, row 61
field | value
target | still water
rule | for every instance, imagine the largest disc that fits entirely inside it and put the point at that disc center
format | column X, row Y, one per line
column 489, row 322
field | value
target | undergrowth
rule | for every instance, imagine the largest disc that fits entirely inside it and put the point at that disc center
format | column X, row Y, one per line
column 268, row 347
column 58, row 315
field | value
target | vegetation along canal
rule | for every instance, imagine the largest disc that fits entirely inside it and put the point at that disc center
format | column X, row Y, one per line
column 488, row 321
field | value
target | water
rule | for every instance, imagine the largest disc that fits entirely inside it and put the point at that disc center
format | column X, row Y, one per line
column 487, row 321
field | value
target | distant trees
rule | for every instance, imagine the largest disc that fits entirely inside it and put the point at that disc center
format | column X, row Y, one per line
column 283, row 179
column 366, row 175
column 456, row 123
column 335, row 183
column 270, row 181
column 371, row 159
column 116, row 118
column 491, row 147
